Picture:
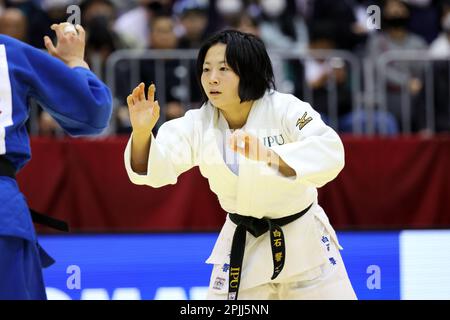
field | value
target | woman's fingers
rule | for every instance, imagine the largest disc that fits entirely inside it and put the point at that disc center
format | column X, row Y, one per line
column 232, row 143
column 246, row 144
column 238, row 142
column 130, row 101
column 156, row 109
column 151, row 93
column 136, row 95
column 241, row 139
column 141, row 91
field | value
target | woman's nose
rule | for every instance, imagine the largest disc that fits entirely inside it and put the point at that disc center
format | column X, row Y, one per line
column 213, row 78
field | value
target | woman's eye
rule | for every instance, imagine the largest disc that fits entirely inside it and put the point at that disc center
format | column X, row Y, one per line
column 205, row 69
column 223, row 69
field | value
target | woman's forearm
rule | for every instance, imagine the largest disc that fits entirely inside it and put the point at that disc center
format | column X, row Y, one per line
column 140, row 147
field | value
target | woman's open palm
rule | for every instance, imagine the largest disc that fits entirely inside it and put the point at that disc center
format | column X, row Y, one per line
column 144, row 112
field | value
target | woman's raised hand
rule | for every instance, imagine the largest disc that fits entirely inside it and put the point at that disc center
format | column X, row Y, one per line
column 144, row 112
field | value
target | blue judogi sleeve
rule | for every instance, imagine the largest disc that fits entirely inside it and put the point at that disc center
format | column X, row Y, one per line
column 75, row 97
column 92, row 95
column 51, row 82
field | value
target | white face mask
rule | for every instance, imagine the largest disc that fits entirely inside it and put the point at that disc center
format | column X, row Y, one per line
column 446, row 23
column 273, row 8
column 228, row 7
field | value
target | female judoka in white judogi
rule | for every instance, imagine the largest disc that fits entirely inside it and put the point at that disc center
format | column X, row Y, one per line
column 264, row 154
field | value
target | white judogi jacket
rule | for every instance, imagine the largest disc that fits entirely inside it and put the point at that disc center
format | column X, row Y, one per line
column 298, row 135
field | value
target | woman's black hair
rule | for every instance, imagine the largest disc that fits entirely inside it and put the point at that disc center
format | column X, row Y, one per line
column 247, row 56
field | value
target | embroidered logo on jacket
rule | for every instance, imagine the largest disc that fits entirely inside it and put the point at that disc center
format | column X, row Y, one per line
column 303, row 121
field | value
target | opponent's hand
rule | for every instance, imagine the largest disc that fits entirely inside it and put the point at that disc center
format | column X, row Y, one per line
column 70, row 45
column 144, row 113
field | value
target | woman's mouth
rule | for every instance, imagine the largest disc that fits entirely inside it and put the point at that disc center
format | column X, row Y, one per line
column 214, row 93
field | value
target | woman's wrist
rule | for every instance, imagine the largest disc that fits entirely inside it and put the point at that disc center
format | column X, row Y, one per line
column 141, row 133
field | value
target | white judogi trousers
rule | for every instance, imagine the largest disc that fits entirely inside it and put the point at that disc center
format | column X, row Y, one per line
column 329, row 281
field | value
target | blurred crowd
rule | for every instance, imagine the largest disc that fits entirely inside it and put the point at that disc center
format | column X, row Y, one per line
column 294, row 25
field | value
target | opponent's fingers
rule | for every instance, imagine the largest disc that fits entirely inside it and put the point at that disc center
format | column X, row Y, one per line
column 49, row 45
column 151, row 92
column 58, row 28
column 81, row 32
column 69, row 29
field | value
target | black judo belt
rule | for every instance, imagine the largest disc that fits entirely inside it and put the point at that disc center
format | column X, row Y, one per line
column 256, row 227
column 8, row 170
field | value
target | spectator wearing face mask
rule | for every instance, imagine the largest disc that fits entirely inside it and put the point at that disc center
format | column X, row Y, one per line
column 282, row 27
column 224, row 13
column 134, row 24
column 98, row 18
column 350, row 35
column 400, row 76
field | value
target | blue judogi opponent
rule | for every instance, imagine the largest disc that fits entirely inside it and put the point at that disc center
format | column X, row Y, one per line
column 63, row 85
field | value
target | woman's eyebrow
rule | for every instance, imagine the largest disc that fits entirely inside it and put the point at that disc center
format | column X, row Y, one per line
column 220, row 62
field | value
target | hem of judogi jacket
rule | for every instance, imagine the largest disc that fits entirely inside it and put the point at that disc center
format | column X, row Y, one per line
column 155, row 176
column 220, row 257
column 46, row 259
column 15, row 218
column 323, row 218
column 22, row 235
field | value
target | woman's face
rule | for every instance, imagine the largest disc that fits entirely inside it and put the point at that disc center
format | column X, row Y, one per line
column 219, row 81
